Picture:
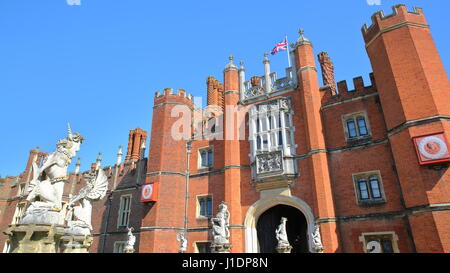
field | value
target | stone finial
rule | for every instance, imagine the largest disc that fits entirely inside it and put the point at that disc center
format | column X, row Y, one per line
column 99, row 161
column 302, row 40
column 266, row 58
column 241, row 65
column 119, row 155
column 77, row 166
column 230, row 65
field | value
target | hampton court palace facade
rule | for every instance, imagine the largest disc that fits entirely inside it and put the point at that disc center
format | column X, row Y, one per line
column 369, row 164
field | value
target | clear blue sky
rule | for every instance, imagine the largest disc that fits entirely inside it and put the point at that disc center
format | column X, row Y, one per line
column 99, row 64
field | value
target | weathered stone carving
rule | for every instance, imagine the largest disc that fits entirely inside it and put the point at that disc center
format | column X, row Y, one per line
column 269, row 162
column 46, row 187
column 181, row 237
column 79, row 216
column 284, row 104
column 316, row 239
column 220, row 224
column 281, row 234
column 129, row 246
column 283, row 245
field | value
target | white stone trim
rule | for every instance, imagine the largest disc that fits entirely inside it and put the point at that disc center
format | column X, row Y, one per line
column 395, row 248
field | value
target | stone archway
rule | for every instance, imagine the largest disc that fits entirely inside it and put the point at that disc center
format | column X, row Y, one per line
column 259, row 207
column 296, row 229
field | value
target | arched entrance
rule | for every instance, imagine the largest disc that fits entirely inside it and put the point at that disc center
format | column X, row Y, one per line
column 264, row 204
column 296, row 228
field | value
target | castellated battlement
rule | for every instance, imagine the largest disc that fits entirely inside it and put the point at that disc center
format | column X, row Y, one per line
column 360, row 89
column 399, row 17
column 168, row 95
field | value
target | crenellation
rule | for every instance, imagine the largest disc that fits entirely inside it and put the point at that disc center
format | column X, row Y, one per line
column 168, row 91
column 342, row 87
column 358, row 83
column 181, row 92
column 399, row 9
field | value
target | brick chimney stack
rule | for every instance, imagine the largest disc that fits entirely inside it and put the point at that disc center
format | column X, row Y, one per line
column 327, row 68
column 135, row 140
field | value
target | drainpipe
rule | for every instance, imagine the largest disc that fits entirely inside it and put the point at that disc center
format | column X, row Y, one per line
column 186, row 200
column 105, row 230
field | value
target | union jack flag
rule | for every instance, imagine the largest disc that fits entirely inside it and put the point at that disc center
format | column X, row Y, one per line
column 280, row 46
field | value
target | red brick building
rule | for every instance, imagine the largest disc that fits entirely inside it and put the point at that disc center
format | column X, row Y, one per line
column 369, row 164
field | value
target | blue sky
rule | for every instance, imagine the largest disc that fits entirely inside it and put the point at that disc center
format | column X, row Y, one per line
column 98, row 65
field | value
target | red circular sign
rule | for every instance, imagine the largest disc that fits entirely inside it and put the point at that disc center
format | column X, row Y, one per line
column 147, row 191
column 432, row 147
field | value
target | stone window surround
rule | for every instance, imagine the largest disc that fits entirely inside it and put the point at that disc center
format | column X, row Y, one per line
column 20, row 209
column 254, row 116
column 393, row 235
column 121, row 211
column 116, row 245
column 367, row 175
column 354, row 115
column 199, row 156
column 197, row 203
column 195, row 246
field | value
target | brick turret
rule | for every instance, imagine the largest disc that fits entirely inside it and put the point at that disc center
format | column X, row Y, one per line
column 315, row 143
column 167, row 166
column 413, row 88
column 232, row 173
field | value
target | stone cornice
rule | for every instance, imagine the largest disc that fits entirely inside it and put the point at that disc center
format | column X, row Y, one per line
column 416, row 122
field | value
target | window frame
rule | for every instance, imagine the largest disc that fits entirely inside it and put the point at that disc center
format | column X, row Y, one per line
column 266, row 129
column 368, row 177
column 121, row 211
column 196, row 248
column 207, row 150
column 368, row 236
column 198, row 199
column 117, row 243
column 355, row 118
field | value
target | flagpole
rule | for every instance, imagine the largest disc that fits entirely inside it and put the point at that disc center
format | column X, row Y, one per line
column 288, row 53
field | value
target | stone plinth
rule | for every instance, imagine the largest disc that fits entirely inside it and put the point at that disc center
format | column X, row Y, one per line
column 220, row 248
column 284, row 249
column 34, row 238
column 128, row 250
column 40, row 238
column 71, row 243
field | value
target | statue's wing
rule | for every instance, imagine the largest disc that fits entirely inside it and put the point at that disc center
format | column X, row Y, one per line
column 35, row 175
column 100, row 186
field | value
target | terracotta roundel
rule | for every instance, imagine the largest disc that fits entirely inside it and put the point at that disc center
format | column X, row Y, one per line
column 147, row 191
column 432, row 148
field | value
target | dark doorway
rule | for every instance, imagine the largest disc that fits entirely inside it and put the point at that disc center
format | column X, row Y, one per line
column 296, row 229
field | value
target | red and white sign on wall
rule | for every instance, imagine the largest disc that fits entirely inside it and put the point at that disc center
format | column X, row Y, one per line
column 432, row 149
column 149, row 192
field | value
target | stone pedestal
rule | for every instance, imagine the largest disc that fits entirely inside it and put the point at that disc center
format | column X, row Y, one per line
column 220, row 248
column 70, row 243
column 42, row 238
column 128, row 250
column 284, row 249
column 34, row 238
